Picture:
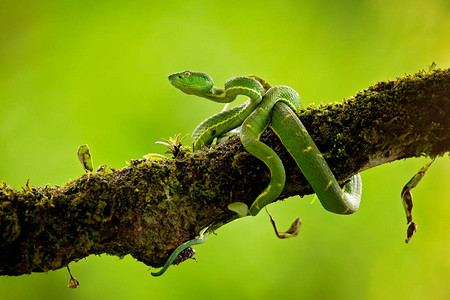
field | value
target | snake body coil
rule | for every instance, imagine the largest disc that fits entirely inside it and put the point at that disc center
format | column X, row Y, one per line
column 276, row 109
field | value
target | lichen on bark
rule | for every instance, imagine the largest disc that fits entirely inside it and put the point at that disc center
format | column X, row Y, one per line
column 149, row 208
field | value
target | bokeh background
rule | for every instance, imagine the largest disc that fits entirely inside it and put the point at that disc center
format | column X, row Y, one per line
column 95, row 72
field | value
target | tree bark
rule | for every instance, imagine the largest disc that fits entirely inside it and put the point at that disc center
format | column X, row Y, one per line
column 149, row 208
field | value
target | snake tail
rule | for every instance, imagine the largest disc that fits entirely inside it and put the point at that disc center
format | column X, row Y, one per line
column 199, row 240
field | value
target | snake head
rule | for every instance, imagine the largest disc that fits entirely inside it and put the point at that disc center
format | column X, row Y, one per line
column 191, row 82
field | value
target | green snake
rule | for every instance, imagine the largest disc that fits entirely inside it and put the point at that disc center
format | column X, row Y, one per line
column 276, row 109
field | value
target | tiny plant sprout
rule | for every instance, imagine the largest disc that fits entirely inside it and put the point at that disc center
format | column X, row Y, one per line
column 239, row 207
column 85, row 158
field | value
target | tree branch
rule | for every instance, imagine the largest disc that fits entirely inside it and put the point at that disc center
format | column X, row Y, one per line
column 149, row 208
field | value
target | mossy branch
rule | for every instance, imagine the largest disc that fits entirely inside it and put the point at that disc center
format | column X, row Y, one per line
column 149, row 208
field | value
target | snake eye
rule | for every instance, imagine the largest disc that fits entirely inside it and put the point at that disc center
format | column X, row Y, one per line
column 187, row 74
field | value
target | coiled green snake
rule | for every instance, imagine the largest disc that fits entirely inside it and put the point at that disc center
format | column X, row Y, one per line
column 275, row 109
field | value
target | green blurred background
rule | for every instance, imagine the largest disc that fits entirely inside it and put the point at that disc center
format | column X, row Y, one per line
column 95, row 72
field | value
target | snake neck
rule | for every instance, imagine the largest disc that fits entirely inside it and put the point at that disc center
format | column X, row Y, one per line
column 234, row 87
column 218, row 95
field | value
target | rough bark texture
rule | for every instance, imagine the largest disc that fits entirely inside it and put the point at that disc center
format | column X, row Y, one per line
column 149, row 208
